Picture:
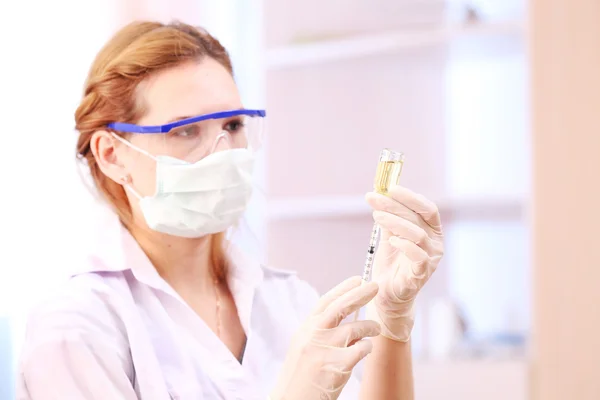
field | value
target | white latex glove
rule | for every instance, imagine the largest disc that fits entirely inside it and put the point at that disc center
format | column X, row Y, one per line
column 410, row 250
column 323, row 352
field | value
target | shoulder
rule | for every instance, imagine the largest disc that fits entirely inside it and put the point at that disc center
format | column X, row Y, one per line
column 86, row 308
column 75, row 344
column 80, row 295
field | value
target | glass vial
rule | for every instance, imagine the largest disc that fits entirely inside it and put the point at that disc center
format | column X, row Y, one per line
column 389, row 170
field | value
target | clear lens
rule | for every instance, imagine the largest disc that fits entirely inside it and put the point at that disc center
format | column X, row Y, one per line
column 193, row 142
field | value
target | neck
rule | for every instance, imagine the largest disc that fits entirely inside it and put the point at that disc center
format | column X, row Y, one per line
column 186, row 264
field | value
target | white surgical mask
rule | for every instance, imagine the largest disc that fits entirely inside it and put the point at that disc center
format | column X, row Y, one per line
column 198, row 199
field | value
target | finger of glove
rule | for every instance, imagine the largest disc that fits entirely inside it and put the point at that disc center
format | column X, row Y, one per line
column 420, row 204
column 383, row 203
column 353, row 354
column 398, row 202
column 346, row 334
column 405, row 229
column 336, row 292
column 418, row 259
column 347, row 303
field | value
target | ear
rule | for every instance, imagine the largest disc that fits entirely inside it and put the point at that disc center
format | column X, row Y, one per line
column 104, row 147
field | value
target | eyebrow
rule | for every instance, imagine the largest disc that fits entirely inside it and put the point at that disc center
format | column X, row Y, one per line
column 176, row 119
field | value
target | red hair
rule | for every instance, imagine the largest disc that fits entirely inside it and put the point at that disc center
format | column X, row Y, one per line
column 137, row 51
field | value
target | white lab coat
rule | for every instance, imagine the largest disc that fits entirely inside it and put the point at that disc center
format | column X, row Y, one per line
column 117, row 330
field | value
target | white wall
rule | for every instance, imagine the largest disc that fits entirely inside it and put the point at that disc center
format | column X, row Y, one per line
column 46, row 54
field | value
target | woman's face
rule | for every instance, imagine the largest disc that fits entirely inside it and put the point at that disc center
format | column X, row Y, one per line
column 188, row 90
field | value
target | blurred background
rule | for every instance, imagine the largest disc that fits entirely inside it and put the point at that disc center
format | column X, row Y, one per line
column 450, row 83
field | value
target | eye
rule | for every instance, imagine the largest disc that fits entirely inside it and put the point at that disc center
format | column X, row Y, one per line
column 187, row 131
column 235, row 125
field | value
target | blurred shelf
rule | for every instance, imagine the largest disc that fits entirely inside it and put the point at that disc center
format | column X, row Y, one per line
column 381, row 43
column 472, row 379
column 314, row 207
column 294, row 208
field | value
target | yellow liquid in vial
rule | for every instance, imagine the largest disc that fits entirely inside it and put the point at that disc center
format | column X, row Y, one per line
column 388, row 174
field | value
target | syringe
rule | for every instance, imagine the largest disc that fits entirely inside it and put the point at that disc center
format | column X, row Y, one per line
column 367, row 271
column 388, row 173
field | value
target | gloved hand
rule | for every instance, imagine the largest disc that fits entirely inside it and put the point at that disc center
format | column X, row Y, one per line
column 410, row 249
column 323, row 352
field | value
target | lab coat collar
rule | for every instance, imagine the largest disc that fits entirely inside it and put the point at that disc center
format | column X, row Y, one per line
column 113, row 249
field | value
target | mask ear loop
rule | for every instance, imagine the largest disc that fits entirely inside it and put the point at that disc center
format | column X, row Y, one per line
column 126, row 179
column 126, row 182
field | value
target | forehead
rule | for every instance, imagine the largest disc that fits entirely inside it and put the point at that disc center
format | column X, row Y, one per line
column 189, row 89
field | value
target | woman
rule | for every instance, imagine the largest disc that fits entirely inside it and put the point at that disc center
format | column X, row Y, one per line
column 164, row 307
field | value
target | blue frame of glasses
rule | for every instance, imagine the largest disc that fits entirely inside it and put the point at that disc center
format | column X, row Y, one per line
column 132, row 128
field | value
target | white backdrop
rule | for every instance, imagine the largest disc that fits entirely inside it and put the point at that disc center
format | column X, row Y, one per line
column 44, row 205
column 45, row 56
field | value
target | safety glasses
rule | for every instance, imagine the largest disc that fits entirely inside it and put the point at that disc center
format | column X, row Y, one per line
column 192, row 139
